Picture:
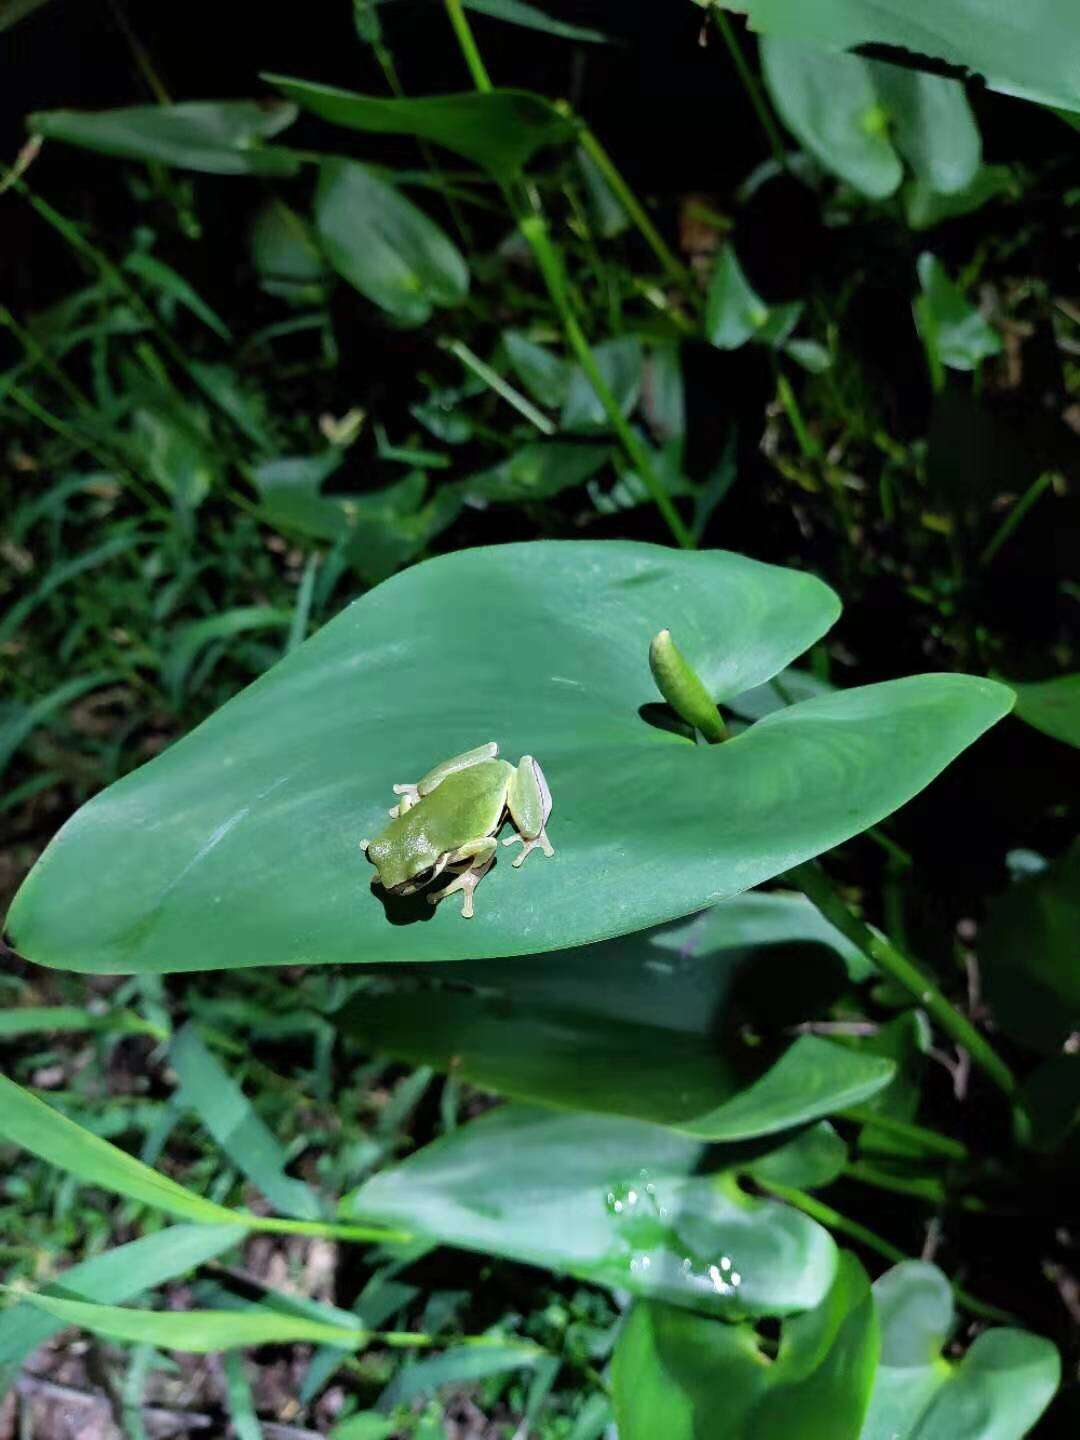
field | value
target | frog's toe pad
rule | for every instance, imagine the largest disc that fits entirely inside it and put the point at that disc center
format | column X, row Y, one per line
column 528, row 846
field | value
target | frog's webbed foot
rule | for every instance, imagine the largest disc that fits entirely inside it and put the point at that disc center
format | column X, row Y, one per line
column 478, row 857
column 528, row 846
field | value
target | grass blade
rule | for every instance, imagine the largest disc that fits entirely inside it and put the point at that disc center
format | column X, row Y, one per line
column 120, row 1274
column 200, row 1332
column 225, row 1111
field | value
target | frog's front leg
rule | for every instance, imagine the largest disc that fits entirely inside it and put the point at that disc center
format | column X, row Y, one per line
column 477, row 855
column 529, row 802
column 412, row 794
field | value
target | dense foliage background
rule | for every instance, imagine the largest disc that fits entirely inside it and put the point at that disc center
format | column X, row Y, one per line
column 228, row 410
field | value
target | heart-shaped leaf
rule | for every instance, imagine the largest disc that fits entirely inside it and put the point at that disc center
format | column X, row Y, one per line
column 240, row 845
column 644, row 1026
column 675, row 1374
column 500, row 129
column 855, row 115
column 996, row 1392
column 385, row 245
column 222, row 136
column 831, row 103
column 615, row 1201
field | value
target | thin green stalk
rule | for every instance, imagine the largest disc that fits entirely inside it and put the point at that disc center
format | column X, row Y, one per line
column 807, row 444
column 926, row 1188
column 39, row 355
column 1037, row 488
column 676, row 270
column 501, row 387
column 826, row 1215
column 465, row 39
column 384, row 55
column 534, row 228
column 905, row 1130
column 815, row 884
column 115, row 276
column 331, row 1231
column 751, row 86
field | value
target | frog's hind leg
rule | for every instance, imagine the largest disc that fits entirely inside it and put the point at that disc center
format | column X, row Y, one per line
column 529, row 802
column 477, row 857
column 412, row 794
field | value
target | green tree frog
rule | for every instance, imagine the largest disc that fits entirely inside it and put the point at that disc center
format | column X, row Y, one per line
column 450, row 820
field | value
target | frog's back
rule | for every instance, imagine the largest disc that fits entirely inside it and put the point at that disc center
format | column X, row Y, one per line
column 470, row 804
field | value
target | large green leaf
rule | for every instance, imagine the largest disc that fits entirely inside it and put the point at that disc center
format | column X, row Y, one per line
column 384, row 245
column 249, row 828
column 223, row 137
column 615, row 1201
column 996, row 1392
column 1052, row 706
column 500, row 129
column 1038, row 58
column 645, row 1026
column 1027, row 949
column 689, row 1377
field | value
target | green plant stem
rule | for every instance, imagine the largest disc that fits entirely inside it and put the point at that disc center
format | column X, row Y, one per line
column 831, row 1218
column 501, row 387
column 329, row 1230
column 534, row 229
column 1037, row 488
column 815, row 884
column 751, row 86
column 904, row 1130
column 919, row 1187
column 675, row 269
column 467, row 42
column 807, row 444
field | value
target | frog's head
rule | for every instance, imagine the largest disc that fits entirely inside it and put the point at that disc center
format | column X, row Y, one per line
column 405, row 865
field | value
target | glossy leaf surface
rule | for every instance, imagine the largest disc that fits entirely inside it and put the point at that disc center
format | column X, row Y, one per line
column 644, row 1026
column 223, row 137
column 614, row 1201
column 500, row 130
column 249, row 828
column 978, row 35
